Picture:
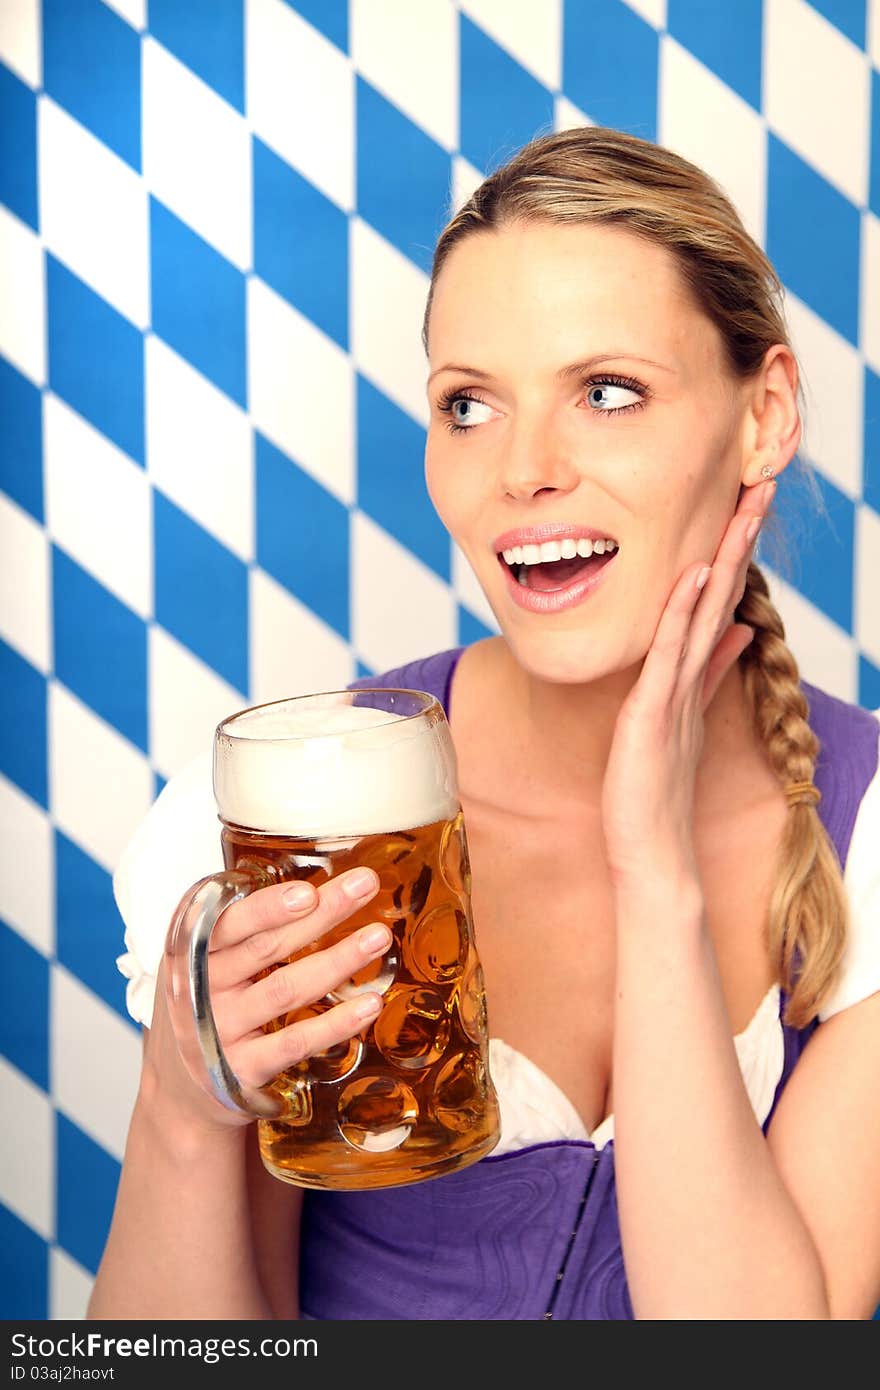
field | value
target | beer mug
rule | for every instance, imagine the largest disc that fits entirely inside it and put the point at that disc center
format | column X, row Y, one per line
column 306, row 788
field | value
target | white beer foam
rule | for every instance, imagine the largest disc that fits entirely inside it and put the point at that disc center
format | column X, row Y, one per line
column 329, row 771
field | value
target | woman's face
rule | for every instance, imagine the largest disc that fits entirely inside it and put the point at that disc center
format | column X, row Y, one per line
column 643, row 444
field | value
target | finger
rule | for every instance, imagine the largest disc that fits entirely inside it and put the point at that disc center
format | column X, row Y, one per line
column 727, row 581
column 708, row 644
column 663, row 662
column 258, row 1059
column 687, row 632
column 267, row 912
column 727, row 652
column 716, row 641
column 291, row 987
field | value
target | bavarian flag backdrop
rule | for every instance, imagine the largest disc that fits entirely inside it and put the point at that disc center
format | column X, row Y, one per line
column 216, row 222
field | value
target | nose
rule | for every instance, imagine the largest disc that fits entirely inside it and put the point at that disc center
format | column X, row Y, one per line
column 536, row 459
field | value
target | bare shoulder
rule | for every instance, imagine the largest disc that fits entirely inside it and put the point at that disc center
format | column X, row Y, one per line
column 482, row 684
column 276, row 1210
column 825, row 1139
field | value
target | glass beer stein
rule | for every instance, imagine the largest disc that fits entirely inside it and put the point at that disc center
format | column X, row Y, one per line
column 306, row 788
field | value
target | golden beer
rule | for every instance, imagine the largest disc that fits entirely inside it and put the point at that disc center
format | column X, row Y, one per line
column 410, row 1095
column 369, row 779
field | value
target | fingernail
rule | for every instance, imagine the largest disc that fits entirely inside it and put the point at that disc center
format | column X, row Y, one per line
column 298, row 895
column 703, row 575
column 753, row 528
column 369, row 1005
column 371, row 938
column 359, row 882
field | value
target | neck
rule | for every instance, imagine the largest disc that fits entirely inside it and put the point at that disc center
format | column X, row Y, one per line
column 552, row 728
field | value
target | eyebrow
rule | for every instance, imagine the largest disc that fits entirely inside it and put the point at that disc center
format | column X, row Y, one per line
column 564, row 373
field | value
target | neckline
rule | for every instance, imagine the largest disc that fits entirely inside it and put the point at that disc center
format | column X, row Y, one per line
column 570, row 1110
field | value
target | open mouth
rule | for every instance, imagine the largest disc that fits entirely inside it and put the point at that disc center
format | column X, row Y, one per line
column 549, row 576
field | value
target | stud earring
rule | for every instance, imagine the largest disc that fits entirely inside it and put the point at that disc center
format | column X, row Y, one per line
column 768, row 471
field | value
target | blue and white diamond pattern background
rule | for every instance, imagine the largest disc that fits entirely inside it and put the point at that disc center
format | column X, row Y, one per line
column 216, row 222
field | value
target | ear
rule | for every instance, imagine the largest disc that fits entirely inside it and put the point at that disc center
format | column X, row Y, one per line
column 772, row 424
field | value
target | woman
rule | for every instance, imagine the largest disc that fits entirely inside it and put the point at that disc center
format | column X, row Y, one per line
column 658, row 893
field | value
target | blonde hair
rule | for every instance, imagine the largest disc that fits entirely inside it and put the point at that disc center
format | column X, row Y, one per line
column 594, row 174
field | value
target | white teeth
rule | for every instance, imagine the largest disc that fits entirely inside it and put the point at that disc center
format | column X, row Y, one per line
column 557, row 550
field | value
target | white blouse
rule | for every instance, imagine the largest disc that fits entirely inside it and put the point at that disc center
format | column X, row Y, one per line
column 178, row 842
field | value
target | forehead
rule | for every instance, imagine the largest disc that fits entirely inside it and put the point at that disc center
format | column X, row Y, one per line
column 537, row 288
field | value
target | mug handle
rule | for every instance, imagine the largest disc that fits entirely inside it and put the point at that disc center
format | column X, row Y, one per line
column 187, row 947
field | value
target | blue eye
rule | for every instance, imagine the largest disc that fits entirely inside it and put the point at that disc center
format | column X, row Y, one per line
column 617, row 384
column 466, row 422
column 447, row 404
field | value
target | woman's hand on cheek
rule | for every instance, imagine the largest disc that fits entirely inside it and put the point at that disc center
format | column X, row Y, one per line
column 647, row 794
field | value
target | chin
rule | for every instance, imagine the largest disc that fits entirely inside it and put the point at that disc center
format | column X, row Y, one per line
column 563, row 658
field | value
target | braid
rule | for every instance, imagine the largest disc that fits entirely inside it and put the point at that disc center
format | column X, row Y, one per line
column 808, row 918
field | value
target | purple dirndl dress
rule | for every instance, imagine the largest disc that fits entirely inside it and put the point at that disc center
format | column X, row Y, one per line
column 532, row 1233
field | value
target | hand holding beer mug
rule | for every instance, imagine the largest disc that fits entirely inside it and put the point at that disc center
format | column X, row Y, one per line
column 309, row 788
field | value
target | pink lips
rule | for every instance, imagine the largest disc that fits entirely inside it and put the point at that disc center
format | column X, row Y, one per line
column 555, row 601
column 550, row 531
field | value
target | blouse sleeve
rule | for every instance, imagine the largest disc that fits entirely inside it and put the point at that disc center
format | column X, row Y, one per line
column 176, row 844
column 860, row 968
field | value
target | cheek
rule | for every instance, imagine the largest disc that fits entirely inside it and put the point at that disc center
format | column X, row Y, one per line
column 683, row 505
column 447, row 484
column 434, row 483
